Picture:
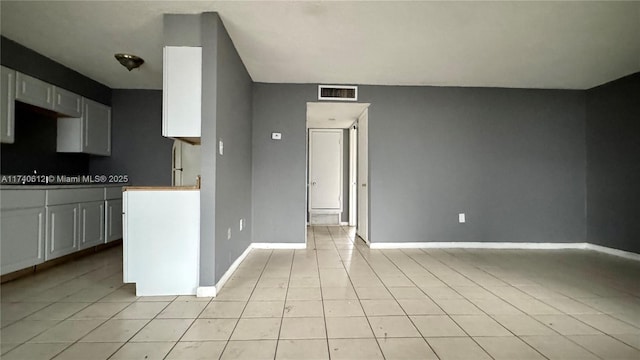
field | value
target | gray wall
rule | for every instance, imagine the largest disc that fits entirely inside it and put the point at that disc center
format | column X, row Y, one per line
column 27, row 61
column 138, row 148
column 233, row 168
column 208, row 149
column 613, row 164
column 513, row 160
column 279, row 167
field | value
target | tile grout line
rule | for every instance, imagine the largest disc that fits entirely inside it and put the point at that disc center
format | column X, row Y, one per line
column 253, row 289
column 357, row 296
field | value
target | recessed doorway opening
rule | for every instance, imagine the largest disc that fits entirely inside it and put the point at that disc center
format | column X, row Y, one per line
column 337, row 165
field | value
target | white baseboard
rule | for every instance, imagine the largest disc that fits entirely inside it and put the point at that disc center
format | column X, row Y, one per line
column 227, row 275
column 206, row 291
column 508, row 245
column 476, row 245
column 615, row 252
column 292, row 246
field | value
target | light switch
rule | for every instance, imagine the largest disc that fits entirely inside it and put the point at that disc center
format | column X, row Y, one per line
column 220, row 147
column 461, row 218
column 276, row 136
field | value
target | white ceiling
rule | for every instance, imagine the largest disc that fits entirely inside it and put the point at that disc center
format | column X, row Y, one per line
column 574, row 45
column 333, row 115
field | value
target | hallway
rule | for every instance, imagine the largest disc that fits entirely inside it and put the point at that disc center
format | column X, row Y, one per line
column 341, row 301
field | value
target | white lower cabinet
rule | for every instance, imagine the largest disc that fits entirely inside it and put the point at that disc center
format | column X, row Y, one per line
column 113, row 219
column 91, row 224
column 62, row 230
column 38, row 225
column 22, row 234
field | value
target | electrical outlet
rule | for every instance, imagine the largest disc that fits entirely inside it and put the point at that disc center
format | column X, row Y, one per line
column 220, row 146
column 462, row 218
column 229, row 234
column 241, row 224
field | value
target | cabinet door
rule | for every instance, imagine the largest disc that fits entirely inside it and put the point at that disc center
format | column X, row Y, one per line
column 96, row 128
column 67, row 103
column 34, row 91
column 7, row 105
column 114, row 219
column 22, row 234
column 62, row 230
column 182, row 92
column 91, row 224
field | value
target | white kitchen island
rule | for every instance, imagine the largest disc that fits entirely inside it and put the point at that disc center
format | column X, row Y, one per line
column 161, row 243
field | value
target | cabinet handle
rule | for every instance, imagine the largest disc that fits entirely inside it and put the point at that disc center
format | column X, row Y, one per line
column 10, row 105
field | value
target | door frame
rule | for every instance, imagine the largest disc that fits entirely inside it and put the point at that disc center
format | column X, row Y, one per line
column 353, row 175
column 364, row 208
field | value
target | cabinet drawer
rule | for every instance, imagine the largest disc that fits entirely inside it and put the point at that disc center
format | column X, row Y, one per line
column 69, row 196
column 67, row 103
column 34, row 91
column 21, row 199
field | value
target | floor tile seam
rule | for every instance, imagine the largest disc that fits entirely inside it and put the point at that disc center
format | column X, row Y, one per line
column 358, row 298
column 545, row 303
column 275, row 353
column 501, row 298
column 245, row 304
column 438, row 305
column 324, row 315
column 70, row 343
column 132, row 336
column 188, row 327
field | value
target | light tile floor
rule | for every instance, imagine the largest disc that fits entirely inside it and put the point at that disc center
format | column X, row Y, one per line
column 341, row 301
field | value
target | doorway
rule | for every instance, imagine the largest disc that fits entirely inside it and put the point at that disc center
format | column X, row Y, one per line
column 343, row 121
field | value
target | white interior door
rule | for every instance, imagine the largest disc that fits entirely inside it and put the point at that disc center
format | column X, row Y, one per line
column 325, row 170
column 363, row 177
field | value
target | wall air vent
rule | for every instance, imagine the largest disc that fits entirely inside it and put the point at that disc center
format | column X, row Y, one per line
column 337, row 93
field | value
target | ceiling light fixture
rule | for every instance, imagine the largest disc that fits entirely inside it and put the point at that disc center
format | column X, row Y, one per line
column 129, row 61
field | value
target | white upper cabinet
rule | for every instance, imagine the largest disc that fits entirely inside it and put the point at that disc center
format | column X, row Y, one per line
column 67, row 103
column 89, row 134
column 182, row 93
column 97, row 128
column 7, row 105
column 34, row 91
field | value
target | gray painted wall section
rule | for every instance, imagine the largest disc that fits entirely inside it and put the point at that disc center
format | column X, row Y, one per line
column 613, row 164
column 279, row 167
column 27, row 61
column 138, row 148
column 182, row 30
column 208, row 150
column 513, row 160
column 233, row 168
